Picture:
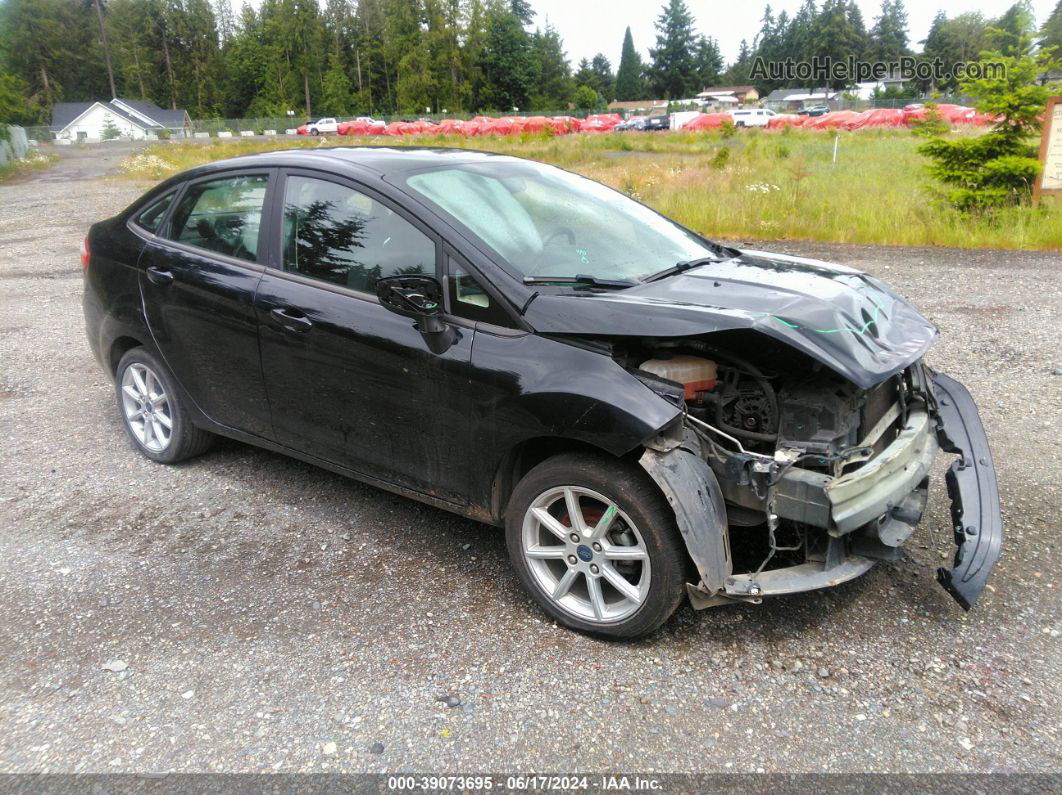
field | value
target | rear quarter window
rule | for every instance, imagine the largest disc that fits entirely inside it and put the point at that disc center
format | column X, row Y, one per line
column 150, row 218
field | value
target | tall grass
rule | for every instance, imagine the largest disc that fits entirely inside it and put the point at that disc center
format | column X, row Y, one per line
column 755, row 185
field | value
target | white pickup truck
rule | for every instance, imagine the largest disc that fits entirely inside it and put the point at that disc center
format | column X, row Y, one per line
column 323, row 126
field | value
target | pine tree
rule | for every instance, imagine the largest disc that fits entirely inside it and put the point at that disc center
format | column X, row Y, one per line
column 555, row 86
column 672, row 72
column 629, row 85
column 605, row 79
column 335, row 89
column 1012, row 33
column 888, row 38
column 708, row 62
column 1051, row 32
column 508, row 64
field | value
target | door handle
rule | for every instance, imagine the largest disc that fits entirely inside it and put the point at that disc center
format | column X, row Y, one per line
column 158, row 276
column 291, row 319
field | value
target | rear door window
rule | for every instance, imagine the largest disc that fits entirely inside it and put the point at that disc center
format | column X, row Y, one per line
column 222, row 215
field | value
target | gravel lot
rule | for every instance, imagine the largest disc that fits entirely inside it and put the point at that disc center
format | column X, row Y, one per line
column 271, row 616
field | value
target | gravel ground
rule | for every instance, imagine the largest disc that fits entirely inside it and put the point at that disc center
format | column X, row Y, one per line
column 246, row 612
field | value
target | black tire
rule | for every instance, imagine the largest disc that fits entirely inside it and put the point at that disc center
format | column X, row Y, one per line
column 635, row 495
column 185, row 440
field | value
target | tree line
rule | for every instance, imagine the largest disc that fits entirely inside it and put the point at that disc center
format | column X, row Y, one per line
column 386, row 57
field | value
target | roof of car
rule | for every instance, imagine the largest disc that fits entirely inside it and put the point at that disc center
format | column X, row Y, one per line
column 381, row 159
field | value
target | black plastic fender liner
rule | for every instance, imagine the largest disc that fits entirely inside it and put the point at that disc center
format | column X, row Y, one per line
column 973, row 490
column 693, row 492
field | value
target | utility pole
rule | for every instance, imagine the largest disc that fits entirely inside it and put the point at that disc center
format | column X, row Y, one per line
column 106, row 49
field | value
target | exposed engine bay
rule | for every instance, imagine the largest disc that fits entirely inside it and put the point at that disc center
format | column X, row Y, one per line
column 786, row 438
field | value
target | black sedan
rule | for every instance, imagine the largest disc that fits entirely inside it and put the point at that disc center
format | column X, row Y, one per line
column 648, row 414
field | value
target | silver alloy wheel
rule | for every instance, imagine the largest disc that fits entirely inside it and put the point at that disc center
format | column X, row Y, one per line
column 586, row 554
column 147, row 408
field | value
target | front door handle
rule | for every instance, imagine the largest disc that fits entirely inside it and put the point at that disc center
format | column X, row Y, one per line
column 158, row 276
column 291, row 319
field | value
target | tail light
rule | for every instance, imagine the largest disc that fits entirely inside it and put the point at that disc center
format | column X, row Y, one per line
column 84, row 249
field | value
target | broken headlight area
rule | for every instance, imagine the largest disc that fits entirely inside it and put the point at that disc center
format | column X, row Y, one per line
column 820, row 478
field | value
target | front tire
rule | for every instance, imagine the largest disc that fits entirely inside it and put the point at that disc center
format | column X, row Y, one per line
column 595, row 543
column 153, row 411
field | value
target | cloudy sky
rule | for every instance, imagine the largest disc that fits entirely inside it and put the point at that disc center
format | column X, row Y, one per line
column 590, row 26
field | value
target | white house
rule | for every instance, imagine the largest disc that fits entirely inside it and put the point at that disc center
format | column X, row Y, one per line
column 120, row 118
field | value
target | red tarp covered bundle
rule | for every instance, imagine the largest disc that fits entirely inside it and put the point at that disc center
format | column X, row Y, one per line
column 600, row 122
column 362, row 127
column 877, row 117
column 562, row 125
column 707, row 121
column 786, row 120
column 838, row 119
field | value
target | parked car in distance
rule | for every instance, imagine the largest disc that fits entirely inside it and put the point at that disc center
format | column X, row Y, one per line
column 657, row 123
column 633, row 123
column 323, row 126
column 752, row 117
column 814, row 110
column 649, row 414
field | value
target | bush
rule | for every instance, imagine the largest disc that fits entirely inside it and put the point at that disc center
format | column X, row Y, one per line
column 1000, row 167
column 728, row 128
column 933, row 125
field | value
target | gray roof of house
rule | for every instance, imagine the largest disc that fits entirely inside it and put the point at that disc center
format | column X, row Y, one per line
column 780, row 94
column 166, row 118
column 65, row 112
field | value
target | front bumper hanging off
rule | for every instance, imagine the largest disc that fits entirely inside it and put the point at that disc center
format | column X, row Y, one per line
column 877, row 507
column 974, row 493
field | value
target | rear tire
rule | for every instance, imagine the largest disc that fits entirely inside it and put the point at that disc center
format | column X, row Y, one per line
column 153, row 410
column 618, row 570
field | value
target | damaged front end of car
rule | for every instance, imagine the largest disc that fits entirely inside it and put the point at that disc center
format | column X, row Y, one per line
column 820, row 479
column 806, row 425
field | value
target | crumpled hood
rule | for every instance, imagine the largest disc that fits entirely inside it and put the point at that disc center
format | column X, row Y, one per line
column 849, row 321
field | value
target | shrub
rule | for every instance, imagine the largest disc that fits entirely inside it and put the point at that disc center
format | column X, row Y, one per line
column 728, row 128
column 998, row 168
column 721, row 158
column 933, row 125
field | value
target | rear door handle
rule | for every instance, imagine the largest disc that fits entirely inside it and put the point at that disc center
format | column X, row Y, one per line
column 158, row 276
column 291, row 319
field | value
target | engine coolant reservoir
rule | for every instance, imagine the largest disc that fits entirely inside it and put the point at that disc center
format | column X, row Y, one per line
column 693, row 372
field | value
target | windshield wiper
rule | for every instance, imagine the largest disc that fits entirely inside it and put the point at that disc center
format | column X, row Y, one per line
column 679, row 267
column 579, row 280
column 721, row 253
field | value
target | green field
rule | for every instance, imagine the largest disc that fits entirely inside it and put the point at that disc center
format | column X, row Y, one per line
column 754, row 185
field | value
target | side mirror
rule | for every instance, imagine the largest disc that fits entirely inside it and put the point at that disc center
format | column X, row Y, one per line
column 419, row 297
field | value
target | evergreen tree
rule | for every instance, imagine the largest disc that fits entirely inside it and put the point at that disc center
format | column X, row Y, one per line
column 708, row 62
column 629, row 84
column 1012, row 33
column 888, row 38
column 605, row 79
column 335, row 89
column 1051, row 32
column 672, row 71
column 555, row 87
column 508, row 64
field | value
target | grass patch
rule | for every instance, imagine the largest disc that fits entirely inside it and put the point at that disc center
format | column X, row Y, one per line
column 35, row 160
column 756, row 185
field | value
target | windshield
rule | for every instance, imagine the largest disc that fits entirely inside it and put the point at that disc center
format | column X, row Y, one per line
column 542, row 221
